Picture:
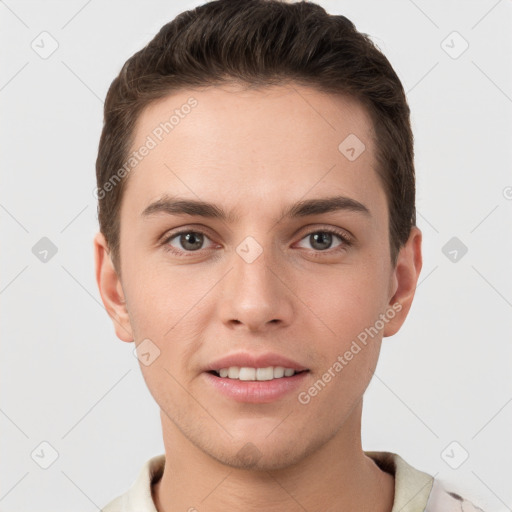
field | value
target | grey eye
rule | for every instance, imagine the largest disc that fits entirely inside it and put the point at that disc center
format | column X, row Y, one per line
column 322, row 240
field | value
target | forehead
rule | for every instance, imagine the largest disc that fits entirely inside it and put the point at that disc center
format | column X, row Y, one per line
column 262, row 144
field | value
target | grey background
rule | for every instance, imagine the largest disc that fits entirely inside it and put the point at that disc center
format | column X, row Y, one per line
column 68, row 381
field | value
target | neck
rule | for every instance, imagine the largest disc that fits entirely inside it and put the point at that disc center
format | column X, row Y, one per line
column 336, row 476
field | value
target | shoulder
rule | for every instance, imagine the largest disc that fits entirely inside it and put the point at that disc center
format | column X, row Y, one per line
column 441, row 500
column 139, row 498
column 116, row 505
column 417, row 491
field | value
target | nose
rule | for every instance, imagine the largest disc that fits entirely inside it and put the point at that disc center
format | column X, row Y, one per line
column 256, row 295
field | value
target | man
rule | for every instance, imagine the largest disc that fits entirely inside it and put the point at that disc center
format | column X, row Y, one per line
column 257, row 241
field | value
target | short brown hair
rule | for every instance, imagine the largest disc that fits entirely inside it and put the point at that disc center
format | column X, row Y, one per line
column 260, row 43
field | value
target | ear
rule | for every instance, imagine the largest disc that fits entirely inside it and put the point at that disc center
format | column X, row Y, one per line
column 111, row 290
column 404, row 281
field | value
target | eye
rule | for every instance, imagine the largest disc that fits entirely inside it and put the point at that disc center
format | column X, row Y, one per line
column 321, row 240
column 185, row 241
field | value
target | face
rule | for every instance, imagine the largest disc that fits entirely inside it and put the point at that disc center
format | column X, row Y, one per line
column 272, row 274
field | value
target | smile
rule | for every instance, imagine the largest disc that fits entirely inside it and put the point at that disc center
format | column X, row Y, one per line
column 255, row 374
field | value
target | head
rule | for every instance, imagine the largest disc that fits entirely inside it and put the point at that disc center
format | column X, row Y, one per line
column 263, row 109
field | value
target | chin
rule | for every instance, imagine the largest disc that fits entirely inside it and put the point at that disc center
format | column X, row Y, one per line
column 250, row 458
column 264, row 456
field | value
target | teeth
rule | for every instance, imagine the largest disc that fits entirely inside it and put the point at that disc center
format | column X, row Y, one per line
column 233, row 372
column 278, row 372
column 246, row 373
column 265, row 373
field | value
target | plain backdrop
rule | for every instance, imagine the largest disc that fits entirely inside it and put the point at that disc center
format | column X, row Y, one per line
column 442, row 394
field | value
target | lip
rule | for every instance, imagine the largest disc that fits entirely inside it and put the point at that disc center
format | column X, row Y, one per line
column 250, row 391
column 245, row 359
column 254, row 391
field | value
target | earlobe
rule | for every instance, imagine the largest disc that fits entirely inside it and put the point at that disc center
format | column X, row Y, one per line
column 405, row 279
column 110, row 289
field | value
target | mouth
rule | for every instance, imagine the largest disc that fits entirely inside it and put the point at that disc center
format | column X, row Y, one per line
column 248, row 385
column 245, row 373
column 254, row 378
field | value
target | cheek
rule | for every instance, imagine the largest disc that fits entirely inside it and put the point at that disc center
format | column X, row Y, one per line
column 155, row 296
column 166, row 307
column 347, row 306
column 167, row 339
column 346, row 300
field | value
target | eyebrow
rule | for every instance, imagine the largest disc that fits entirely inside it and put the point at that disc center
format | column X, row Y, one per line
column 180, row 206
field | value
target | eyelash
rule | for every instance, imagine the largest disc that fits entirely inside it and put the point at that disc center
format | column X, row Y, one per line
column 346, row 241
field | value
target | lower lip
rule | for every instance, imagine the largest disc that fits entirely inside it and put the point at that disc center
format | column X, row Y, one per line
column 256, row 392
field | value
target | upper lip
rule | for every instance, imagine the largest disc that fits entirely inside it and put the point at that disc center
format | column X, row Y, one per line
column 244, row 359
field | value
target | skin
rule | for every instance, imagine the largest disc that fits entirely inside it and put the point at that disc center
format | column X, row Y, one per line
column 254, row 153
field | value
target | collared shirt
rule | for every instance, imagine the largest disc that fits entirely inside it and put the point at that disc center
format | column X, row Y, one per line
column 415, row 491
